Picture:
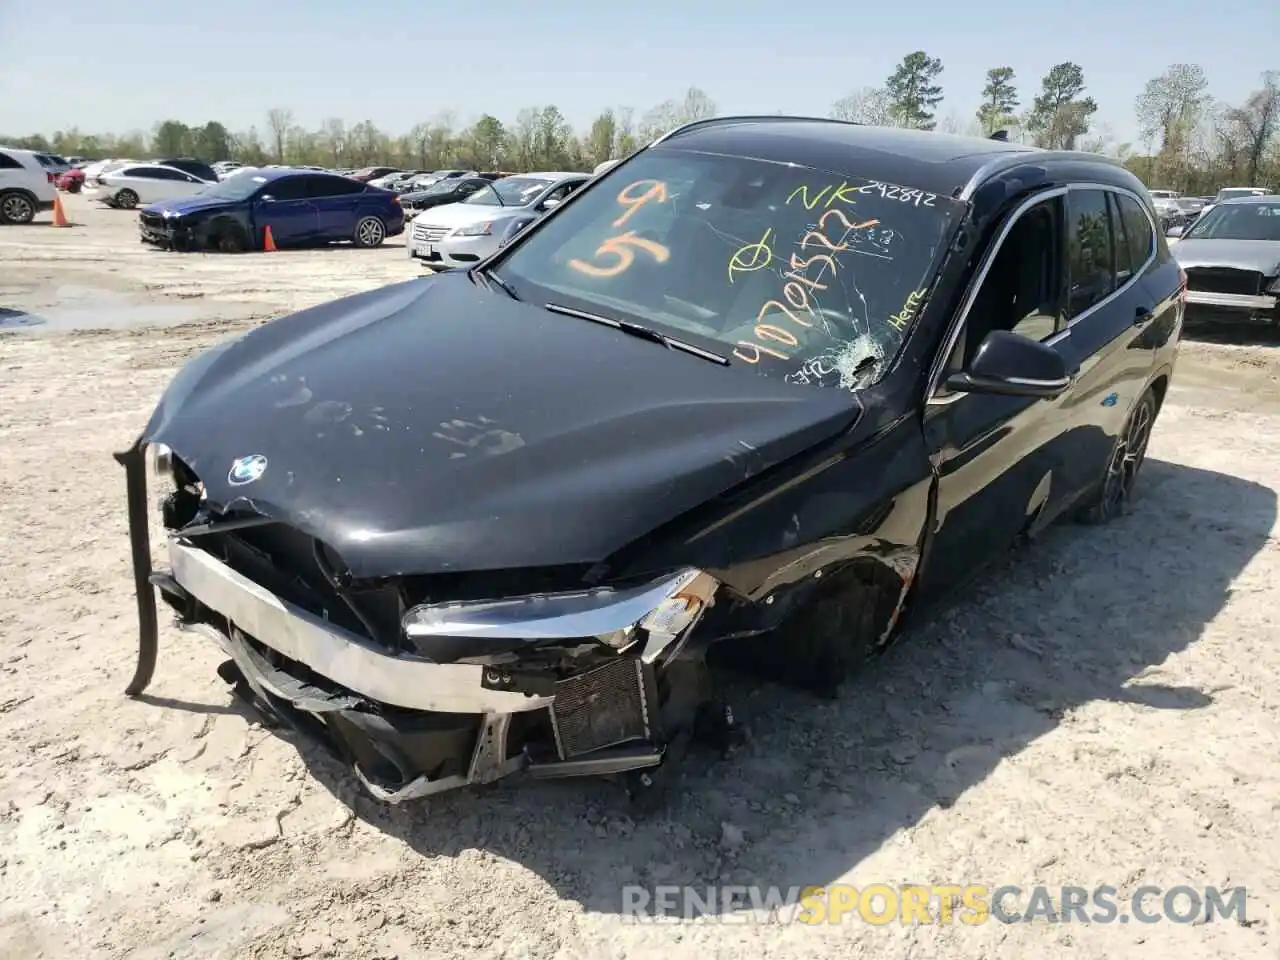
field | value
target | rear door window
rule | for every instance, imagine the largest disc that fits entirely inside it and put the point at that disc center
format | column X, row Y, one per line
column 326, row 186
column 9, row 163
column 1135, row 240
column 1090, row 250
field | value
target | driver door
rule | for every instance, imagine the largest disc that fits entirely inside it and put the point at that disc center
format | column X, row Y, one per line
column 285, row 205
column 995, row 456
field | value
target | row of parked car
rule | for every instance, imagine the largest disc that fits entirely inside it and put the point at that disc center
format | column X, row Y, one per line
column 1229, row 251
column 1178, row 212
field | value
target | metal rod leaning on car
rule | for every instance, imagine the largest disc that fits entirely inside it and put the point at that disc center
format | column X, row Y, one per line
column 134, row 465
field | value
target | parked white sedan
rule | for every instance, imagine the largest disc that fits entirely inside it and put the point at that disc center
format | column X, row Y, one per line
column 128, row 186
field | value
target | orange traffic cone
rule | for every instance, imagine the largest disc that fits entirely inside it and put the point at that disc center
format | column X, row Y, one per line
column 59, row 215
column 268, row 243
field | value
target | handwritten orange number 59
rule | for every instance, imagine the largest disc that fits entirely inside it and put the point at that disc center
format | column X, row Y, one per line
column 622, row 249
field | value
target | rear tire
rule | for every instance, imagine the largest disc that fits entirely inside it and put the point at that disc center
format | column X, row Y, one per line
column 126, row 199
column 1115, row 492
column 16, row 208
column 369, row 232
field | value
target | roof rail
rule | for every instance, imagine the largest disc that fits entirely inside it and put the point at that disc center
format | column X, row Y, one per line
column 738, row 118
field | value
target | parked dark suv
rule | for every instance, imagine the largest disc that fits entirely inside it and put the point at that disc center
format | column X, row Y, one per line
column 760, row 391
column 197, row 168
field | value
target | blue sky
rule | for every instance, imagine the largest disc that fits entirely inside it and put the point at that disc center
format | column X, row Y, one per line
column 106, row 65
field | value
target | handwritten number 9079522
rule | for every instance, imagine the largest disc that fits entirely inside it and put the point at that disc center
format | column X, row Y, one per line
column 616, row 254
column 799, row 291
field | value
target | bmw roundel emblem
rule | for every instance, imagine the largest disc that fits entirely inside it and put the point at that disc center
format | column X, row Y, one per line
column 247, row 469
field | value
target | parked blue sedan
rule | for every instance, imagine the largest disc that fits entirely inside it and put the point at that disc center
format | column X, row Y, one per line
column 300, row 207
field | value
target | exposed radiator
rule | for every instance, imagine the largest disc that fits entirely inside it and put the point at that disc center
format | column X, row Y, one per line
column 603, row 707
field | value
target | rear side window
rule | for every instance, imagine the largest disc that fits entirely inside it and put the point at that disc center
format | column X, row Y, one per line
column 324, row 186
column 9, row 163
column 171, row 175
column 143, row 172
column 1135, row 241
column 1090, row 250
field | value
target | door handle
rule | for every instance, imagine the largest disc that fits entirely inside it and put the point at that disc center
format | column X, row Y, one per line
column 1143, row 317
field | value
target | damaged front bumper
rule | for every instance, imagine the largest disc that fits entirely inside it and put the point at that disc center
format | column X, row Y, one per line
column 167, row 233
column 408, row 726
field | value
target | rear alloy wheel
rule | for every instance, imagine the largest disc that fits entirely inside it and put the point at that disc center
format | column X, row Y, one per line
column 16, row 208
column 1113, row 498
column 126, row 199
column 370, row 232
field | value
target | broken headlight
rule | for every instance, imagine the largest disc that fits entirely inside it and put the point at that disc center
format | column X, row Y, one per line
column 159, row 461
column 664, row 607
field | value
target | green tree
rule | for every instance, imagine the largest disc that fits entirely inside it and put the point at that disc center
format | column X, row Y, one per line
column 1061, row 113
column 488, row 143
column 914, row 92
column 999, row 100
column 551, row 142
column 213, row 142
column 171, row 139
column 600, row 140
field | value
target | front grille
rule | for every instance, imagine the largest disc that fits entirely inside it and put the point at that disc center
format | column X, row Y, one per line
column 152, row 221
column 429, row 234
column 282, row 559
column 1224, row 280
column 601, row 708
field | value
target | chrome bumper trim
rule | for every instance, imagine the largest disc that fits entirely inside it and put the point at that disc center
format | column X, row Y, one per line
column 1243, row 300
column 334, row 653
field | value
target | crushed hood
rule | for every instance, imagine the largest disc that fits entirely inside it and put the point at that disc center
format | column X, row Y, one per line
column 193, row 204
column 435, row 426
column 1260, row 255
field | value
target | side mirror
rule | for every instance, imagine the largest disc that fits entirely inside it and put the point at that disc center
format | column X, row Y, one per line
column 1175, row 231
column 1011, row 365
column 550, row 202
column 513, row 228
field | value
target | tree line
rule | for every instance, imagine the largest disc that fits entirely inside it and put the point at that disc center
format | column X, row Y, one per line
column 1189, row 141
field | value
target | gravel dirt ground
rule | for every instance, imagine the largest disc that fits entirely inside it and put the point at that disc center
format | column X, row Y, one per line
column 1105, row 711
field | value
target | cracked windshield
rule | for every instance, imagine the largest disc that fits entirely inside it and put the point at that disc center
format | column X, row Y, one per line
column 802, row 274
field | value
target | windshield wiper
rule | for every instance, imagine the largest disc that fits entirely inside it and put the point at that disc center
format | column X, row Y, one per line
column 491, row 277
column 639, row 330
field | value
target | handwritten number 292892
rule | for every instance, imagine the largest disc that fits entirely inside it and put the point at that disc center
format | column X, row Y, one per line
column 617, row 253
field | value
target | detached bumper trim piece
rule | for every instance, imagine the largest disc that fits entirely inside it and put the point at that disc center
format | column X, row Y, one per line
column 135, row 471
column 333, row 652
column 1242, row 300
